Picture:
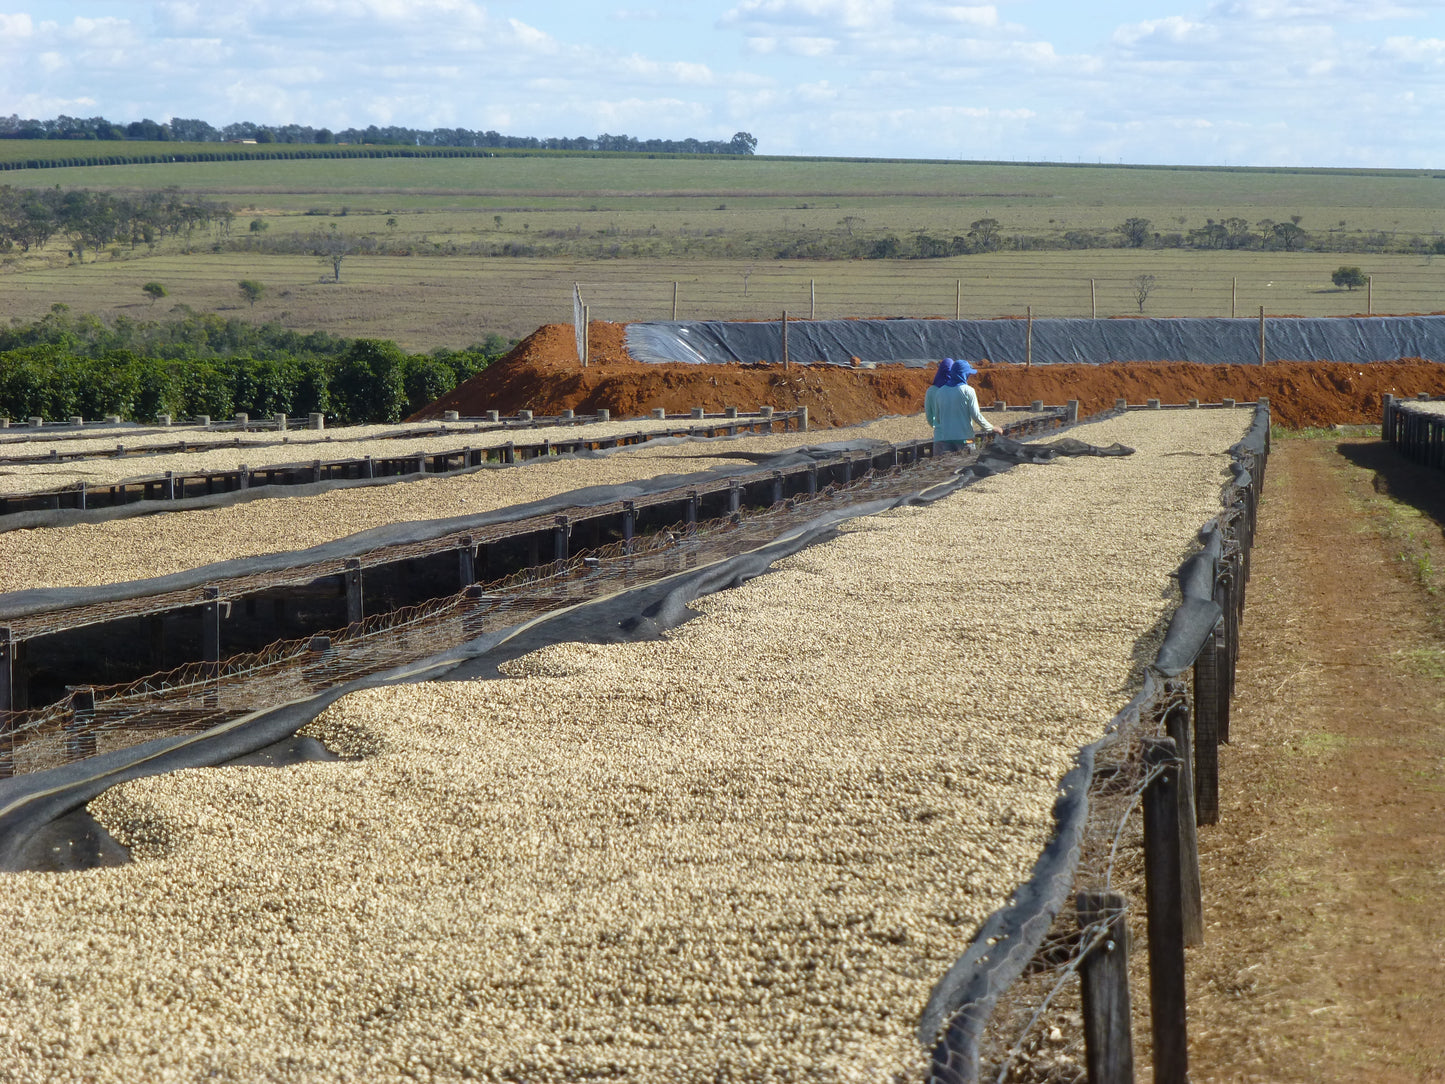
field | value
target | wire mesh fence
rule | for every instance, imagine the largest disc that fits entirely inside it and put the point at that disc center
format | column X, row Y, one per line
column 1037, row 1028
column 199, row 695
column 993, row 289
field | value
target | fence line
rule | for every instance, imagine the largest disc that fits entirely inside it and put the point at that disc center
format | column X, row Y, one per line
column 906, row 290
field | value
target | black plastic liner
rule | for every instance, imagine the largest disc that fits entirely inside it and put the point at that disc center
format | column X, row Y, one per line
column 958, row 1010
column 1055, row 341
column 30, row 805
column 16, row 604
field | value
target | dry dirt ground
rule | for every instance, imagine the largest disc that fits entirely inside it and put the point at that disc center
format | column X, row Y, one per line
column 543, row 374
column 1325, row 948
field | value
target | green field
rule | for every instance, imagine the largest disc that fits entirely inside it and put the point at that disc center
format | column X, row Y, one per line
column 628, row 227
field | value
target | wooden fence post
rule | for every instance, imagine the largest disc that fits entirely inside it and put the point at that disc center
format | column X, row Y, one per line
column 1206, row 730
column 211, row 644
column 1191, row 896
column 1104, row 981
column 355, row 599
column 1165, row 917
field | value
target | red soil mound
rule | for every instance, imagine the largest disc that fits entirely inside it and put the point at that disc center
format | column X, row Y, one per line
column 543, row 375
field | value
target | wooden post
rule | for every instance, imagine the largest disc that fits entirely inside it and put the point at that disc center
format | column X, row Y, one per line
column 1233, row 296
column 467, row 560
column 1261, row 334
column 1191, row 898
column 1104, row 983
column 1093, row 302
column 785, row 339
column 674, row 301
column 211, row 644
column 1206, row 730
column 629, row 522
column 7, row 704
column 586, row 334
column 1029, row 338
column 1166, row 930
column 812, row 299
column 1369, row 295
column 79, row 732
column 355, row 598
column 958, row 300
column 561, row 535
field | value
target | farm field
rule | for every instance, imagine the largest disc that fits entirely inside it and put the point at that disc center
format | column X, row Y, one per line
column 452, row 301
column 495, row 244
column 799, row 952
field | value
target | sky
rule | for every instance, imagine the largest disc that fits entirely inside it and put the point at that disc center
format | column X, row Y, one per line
column 1178, row 82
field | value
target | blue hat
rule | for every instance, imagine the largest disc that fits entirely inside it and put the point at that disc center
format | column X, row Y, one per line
column 940, row 378
column 965, row 368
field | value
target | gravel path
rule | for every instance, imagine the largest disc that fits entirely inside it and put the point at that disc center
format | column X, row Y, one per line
column 744, row 852
column 174, row 541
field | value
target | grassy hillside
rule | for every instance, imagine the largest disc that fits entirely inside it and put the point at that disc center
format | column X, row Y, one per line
column 448, row 248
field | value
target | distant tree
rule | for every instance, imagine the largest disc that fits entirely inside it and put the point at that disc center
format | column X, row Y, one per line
column 1143, row 287
column 1136, row 231
column 193, row 131
column 848, row 222
column 1286, row 235
column 984, row 233
column 251, row 290
column 154, row 290
column 743, row 143
column 332, row 247
column 1349, row 277
column 259, row 225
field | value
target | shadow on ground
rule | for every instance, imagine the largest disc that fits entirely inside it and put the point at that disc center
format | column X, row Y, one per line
column 1423, row 488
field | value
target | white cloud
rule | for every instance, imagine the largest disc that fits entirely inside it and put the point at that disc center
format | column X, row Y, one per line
column 15, row 27
column 803, row 46
column 1172, row 32
column 672, row 72
column 1425, row 51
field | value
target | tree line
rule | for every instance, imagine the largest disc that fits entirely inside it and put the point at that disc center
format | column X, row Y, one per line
column 191, row 130
column 62, row 366
column 31, row 217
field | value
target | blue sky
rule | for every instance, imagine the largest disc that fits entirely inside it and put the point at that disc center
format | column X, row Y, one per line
column 1230, row 82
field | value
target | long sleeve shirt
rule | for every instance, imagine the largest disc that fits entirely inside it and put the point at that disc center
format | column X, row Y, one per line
column 953, row 412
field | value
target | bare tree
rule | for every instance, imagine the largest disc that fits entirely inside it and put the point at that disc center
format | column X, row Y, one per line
column 1143, row 287
column 332, row 246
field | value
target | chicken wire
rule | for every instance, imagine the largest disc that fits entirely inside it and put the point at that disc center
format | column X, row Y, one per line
column 1021, row 1023
column 199, row 695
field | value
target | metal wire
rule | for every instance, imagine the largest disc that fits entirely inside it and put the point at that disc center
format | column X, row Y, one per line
column 198, row 695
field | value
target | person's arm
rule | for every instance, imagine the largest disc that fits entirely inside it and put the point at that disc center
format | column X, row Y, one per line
column 975, row 415
column 930, row 407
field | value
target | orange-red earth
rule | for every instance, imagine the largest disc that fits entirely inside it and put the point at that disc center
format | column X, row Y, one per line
column 542, row 374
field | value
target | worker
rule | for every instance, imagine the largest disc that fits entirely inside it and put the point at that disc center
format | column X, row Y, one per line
column 951, row 407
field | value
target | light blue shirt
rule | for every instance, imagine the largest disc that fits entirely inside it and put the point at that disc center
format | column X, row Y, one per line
column 953, row 412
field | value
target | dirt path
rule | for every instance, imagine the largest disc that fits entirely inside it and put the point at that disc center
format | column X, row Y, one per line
column 1325, row 880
